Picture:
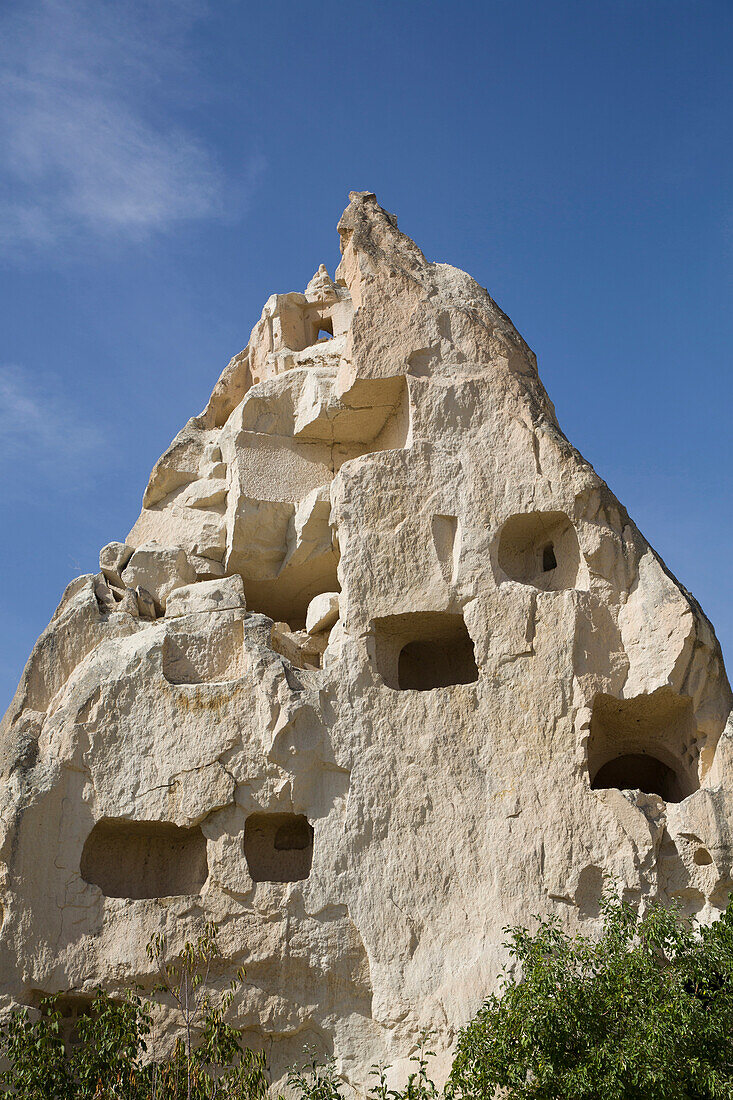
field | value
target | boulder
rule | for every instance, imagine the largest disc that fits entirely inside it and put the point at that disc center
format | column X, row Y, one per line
column 322, row 613
column 159, row 570
column 112, row 560
column 217, row 595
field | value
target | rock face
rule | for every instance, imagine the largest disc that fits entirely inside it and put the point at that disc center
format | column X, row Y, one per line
column 382, row 667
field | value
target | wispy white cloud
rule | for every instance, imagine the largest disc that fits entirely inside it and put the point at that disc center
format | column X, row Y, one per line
column 42, row 432
column 90, row 103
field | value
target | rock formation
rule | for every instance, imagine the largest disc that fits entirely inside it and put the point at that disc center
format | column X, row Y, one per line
column 382, row 667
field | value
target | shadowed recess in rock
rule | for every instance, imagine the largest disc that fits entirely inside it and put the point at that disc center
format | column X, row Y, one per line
column 71, row 1007
column 278, row 847
column 424, row 650
column 648, row 743
column 144, row 859
column 636, row 771
column 541, row 549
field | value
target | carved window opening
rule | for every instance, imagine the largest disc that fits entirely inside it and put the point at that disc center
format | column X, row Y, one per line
column 144, row 859
column 424, row 651
column 549, row 561
column 278, row 847
column 648, row 744
column 322, row 329
column 71, row 1007
column 639, row 771
column 539, row 549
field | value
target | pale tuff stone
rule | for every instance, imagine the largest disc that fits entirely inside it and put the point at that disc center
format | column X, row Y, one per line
column 463, row 689
column 159, row 570
column 223, row 595
column 301, row 649
column 322, row 613
column 145, row 603
column 112, row 560
column 128, row 603
column 104, row 593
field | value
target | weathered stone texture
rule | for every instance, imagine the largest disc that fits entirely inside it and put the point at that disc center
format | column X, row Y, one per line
column 382, row 667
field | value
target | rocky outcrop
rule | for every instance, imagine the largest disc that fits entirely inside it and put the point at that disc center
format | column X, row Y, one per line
column 382, row 667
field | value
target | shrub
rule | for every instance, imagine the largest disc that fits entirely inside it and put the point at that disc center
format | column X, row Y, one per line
column 645, row 1012
column 105, row 1062
column 108, row 1059
column 208, row 1060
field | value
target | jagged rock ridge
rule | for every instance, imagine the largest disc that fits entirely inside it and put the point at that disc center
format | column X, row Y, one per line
column 382, row 667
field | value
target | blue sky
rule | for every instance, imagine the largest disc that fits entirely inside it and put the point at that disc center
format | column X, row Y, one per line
column 167, row 166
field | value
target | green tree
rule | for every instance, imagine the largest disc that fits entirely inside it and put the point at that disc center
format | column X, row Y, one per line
column 105, row 1061
column 35, row 1055
column 645, row 1012
column 109, row 1060
column 208, row 1062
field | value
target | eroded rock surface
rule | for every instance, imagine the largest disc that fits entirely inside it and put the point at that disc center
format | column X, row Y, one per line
column 382, row 667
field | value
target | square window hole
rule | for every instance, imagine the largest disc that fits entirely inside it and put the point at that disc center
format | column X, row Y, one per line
column 322, row 329
column 278, row 847
column 424, row 650
column 639, row 744
column 541, row 549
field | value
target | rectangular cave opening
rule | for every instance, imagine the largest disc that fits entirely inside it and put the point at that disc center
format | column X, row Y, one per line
column 144, row 859
column 322, row 329
column 425, row 650
column 278, row 847
column 648, row 743
column 70, row 1007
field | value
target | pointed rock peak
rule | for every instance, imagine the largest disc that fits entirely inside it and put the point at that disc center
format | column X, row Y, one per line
column 322, row 288
column 370, row 232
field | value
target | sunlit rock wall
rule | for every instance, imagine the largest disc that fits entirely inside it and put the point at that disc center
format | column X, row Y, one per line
column 382, row 667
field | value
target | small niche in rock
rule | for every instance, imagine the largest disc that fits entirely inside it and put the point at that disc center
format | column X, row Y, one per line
column 144, row 859
column 541, row 549
column 278, row 847
column 549, row 561
column 447, row 543
column 70, row 1007
column 424, row 650
column 642, row 744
